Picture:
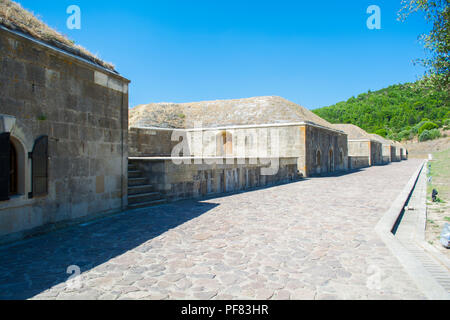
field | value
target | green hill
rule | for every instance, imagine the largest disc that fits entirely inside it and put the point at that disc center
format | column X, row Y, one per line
column 397, row 112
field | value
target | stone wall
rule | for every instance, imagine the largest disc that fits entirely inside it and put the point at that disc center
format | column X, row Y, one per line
column 333, row 149
column 264, row 141
column 300, row 141
column 358, row 162
column 394, row 157
column 284, row 141
column 190, row 180
column 82, row 108
column 376, row 153
column 399, row 152
column 404, row 154
column 358, row 148
column 150, row 142
column 364, row 153
column 386, row 154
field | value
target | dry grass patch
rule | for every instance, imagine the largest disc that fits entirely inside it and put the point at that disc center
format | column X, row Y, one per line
column 438, row 212
column 14, row 17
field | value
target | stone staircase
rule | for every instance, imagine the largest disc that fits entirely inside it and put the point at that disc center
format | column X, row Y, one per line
column 140, row 193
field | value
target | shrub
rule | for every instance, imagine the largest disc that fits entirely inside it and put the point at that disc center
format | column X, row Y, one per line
column 427, row 126
column 447, row 124
column 381, row 132
column 429, row 135
column 435, row 133
column 416, row 128
column 405, row 135
column 424, row 136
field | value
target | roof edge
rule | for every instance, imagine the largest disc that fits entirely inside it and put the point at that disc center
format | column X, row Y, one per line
column 250, row 126
column 63, row 51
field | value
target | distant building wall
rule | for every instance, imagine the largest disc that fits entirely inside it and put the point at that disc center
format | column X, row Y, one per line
column 363, row 153
column 150, row 142
column 376, row 153
column 399, row 152
column 358, row 162
column 256, row 141
column 386, row 154
column 318, row 150
column 261, row 141
column 394, row 157
column 359, row 148
column 326, row 151
column 83, row 110
column 404, row 154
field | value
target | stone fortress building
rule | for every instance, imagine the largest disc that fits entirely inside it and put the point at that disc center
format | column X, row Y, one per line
column 63, row 132
column 363, row 149
column 401, row 151
column 239, row 138
column 71, row 150
column 389, row 152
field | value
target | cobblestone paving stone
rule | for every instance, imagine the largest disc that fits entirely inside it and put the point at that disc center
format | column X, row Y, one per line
column 313, row 239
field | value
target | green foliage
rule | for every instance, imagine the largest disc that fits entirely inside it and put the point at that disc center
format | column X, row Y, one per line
column 415, row 129
column 435, row 134
column 406, row 134
column 429, row 135
column 427, row 126
column 436, row 42
column 382, row 132
column 425, row 136
column 392, row 110
column 446, row 124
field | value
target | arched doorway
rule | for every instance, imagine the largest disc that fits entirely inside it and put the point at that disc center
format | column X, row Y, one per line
column 12, row 167
column 331, row 161
column 318, row 161
column 13, row 171
column 19, row 173
column 224, row 144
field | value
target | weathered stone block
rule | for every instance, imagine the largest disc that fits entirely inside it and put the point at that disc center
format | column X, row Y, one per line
column 100, row 184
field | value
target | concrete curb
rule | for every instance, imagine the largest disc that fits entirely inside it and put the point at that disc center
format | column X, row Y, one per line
column 423, row 279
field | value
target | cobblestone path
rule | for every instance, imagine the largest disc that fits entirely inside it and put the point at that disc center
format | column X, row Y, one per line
column 312, row 239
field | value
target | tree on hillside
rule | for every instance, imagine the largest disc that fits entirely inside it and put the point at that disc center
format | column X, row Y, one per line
column 397, row 112
column 437, row 42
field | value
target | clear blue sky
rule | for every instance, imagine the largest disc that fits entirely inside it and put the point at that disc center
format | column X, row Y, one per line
column 314, row 53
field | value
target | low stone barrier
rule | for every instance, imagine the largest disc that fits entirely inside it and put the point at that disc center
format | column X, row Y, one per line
column 358, row 162
column 194, row 180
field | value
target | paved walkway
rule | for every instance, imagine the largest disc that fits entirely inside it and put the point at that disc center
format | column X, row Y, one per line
column 313, row 239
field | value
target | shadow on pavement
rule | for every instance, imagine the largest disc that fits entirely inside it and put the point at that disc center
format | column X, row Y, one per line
column 30, row 267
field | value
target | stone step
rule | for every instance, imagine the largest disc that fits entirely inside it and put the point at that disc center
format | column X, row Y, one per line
column 144, row 197
column 132, row 182
column 135, row 174
column 147, row 204
column 146, row 188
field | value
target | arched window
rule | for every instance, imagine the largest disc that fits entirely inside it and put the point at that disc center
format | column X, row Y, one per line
column 318, row 158
column 13, row 166
column 341, row 157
